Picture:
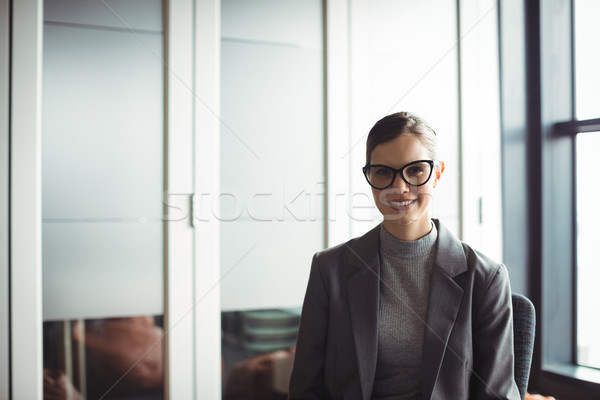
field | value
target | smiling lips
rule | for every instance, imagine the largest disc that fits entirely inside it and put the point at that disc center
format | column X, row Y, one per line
column 400, row 204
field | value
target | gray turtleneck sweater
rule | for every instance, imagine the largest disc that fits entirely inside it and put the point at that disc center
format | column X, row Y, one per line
column 405, row 274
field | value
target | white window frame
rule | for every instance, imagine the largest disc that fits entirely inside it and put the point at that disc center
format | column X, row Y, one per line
column 4, row 196
column 25, row 200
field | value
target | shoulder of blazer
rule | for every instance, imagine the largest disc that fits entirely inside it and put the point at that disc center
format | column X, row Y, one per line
column 456, row 257
column 357, row 252
column 451, row 257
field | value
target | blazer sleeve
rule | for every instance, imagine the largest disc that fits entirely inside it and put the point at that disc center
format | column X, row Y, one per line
column 493, row 369
column 307, row 380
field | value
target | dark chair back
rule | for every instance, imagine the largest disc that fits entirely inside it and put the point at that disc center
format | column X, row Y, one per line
column 524, row 336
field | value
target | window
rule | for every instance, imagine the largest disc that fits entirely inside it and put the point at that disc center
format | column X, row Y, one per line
column 551, row 128
column 588, row 258
column 558, row 132
column 587, row 106
column 587, row 59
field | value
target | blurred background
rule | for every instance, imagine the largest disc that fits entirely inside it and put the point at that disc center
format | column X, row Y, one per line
column 169, row 168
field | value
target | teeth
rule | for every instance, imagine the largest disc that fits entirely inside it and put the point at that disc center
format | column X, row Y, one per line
column 400, row 203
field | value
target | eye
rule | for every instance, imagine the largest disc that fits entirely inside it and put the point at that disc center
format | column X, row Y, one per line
column 414, row 170
column 381, row 171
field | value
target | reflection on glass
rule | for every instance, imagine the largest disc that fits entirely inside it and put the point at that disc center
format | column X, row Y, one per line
column 587, row 59
column 102, row 186
column 112, row 358
column 588, row 258
column 258, row 353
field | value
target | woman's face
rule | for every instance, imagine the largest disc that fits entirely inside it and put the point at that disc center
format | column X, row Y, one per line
column 405, row 208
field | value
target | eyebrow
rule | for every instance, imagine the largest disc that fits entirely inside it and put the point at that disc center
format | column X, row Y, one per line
column 389, row 166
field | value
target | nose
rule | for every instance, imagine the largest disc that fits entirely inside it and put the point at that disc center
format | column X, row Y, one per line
column 400, row 184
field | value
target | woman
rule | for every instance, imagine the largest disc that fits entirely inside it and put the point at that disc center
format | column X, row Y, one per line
column 406, row 311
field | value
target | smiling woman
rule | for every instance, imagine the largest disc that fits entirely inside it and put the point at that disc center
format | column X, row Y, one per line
column 429, row 316
column 403, row 144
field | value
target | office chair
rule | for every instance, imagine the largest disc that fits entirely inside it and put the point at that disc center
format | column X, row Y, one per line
column 524, row 336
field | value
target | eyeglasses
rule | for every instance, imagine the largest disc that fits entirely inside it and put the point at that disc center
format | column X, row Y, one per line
column 416, row 173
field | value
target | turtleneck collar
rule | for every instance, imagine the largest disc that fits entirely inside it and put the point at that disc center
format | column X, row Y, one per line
column 395, row 247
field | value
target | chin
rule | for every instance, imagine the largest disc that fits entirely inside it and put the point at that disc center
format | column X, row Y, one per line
column 400, row 221
column 404, row 218
column 398, row 218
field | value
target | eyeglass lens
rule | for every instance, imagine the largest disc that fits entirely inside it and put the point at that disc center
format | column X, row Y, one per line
column 415, row 174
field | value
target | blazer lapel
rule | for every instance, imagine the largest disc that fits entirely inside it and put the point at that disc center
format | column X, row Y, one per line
column 445, row 298
column 363, row 299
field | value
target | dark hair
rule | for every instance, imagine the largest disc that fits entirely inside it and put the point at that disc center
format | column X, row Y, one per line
column 400, row 123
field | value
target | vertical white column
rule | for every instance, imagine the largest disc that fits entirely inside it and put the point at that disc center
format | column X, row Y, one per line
column 207, row 294
column 179, row 284
column 481, row 206
column 26, row 252
column 4, row 193
column 361, row 207
column 338, row 120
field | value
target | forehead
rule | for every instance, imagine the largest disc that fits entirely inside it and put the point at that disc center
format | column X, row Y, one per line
column 400, row 151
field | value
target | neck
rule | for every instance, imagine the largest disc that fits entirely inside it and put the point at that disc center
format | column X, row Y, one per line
column 410, row 232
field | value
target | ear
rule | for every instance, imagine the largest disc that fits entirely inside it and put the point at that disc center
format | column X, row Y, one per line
column 438, row 173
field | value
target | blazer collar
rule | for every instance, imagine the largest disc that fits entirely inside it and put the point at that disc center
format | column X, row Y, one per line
column 363, row 299
column 445, row 298
column 450, row 253
column 364, row 251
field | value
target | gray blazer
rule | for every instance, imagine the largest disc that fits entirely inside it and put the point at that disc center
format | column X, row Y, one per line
column 468, row 343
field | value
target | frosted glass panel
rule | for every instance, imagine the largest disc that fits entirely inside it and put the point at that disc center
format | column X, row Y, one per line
column 295, row 23
column 102, row 162
column 102, row 191
column 290, row 152
column 102, row 148
column 123, row 14
column 272, row 170
column 275, row 270
column 101, row 269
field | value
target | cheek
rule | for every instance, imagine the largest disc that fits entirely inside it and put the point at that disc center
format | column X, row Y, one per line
column 425, row 194
column 376, row 195
column 426, row 189
column 379, row 199
column 380, row 195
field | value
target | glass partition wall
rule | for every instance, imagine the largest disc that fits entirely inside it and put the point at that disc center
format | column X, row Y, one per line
column 109, row 292
column 272, row 185
column 102, row 188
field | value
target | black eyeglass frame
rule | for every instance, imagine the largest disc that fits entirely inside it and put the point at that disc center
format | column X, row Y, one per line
column 399, row 171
